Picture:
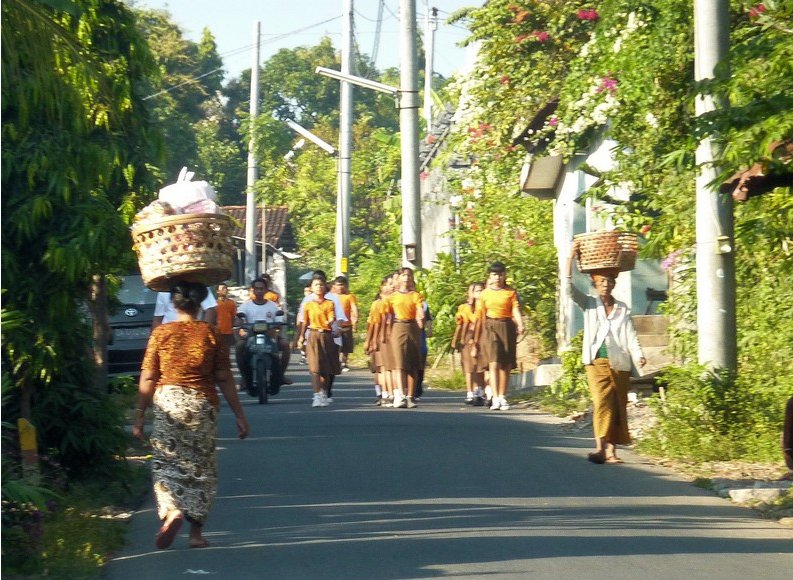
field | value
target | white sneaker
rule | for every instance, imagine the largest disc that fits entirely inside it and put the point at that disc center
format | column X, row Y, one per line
column 504, row 404
column 495, row 405
column 317, row 402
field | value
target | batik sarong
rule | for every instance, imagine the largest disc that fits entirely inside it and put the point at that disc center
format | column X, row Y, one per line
column 184, row 468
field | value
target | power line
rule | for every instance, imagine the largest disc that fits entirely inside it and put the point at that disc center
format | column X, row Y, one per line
column 236, row 51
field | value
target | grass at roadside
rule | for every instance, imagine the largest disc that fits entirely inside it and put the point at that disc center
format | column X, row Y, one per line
column 75, row 536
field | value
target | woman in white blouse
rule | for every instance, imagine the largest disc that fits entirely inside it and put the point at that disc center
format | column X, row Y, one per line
column 610, row 341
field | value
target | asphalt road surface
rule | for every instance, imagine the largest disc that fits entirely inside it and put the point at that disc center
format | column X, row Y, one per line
column 353, row 491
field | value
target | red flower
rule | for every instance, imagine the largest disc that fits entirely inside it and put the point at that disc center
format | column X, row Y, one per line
column 541, row 36
column 645, row 229
column 756, row 11
column 585, row 14
column 504, row 80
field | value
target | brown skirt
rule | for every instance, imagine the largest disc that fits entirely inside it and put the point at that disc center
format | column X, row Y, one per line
column 322, row 353
column 609, row 389
column 386, row 357
column 471, row 363
column 501, row 340
column 405, row 343
column 347, row 343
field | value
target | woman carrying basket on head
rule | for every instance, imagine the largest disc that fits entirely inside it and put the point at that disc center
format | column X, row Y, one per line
column 184, row 362
column 610, row 341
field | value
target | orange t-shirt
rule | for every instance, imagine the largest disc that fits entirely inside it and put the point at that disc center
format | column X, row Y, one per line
column 406, row 305
column 497, row 303
column 347, row 301
column 464, row 314
column 226, row 310
column 319, row 315
column 376, row 312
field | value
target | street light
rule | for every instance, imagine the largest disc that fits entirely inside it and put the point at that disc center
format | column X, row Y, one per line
column 310, row 136
column 359, row 81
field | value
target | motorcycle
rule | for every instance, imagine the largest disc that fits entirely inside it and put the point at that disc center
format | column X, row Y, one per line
column 262, row 349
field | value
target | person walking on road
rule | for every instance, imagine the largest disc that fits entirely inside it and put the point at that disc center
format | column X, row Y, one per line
column 498, row 331
column 321, row 351
column 184, row 362
column 610, row 341
column 463, row 340
column 226, row 311
column 347, row 328
column 406, row 307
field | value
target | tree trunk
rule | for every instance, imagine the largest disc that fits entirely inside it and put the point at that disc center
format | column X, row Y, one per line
column 97, row 304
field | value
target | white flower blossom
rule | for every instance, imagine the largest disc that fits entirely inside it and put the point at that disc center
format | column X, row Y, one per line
column 651, row 120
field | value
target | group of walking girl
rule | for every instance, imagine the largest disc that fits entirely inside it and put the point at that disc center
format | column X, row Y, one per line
column 395, row 335
column 486, row 334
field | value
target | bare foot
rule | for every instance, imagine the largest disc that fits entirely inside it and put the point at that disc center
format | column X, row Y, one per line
column 198, row 543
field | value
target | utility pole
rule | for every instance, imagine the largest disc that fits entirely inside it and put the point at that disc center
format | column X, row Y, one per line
column 716, row 319
column 345, row 148
column 429, row 64
column 409, row 135
column 250, row 198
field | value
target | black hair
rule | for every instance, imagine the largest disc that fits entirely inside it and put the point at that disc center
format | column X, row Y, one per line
column 188, row 296
column 318, row 277
column 255, row 280
column 340, row 280
column 319, row 273
column 497, row 268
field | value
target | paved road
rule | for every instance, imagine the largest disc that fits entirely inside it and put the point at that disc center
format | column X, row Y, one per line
column 445, row 491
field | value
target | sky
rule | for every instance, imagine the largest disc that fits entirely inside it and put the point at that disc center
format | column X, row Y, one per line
column 293, row 23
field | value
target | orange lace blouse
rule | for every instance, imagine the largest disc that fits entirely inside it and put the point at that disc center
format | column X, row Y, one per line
column 187, row 354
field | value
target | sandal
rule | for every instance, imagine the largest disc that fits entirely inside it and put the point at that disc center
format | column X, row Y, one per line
column 168, row 531
column 596, row 457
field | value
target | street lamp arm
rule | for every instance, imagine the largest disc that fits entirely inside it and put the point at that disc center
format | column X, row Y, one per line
column 310, row 136
column 358, row 81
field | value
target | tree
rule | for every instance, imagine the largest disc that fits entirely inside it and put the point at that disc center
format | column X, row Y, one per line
column 76, row 146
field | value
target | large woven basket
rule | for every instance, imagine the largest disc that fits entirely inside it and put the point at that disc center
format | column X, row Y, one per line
column 607, row 250
column 188, row 247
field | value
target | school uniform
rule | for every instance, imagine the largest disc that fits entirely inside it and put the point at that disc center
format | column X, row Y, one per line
column 500, row 334
column 321, row 351
column 405, row 337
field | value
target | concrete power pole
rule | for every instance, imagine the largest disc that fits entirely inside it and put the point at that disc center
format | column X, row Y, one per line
column 409, row 136
column 431, row 27
column 253, row 174
column 716, row 322
column 345, row 148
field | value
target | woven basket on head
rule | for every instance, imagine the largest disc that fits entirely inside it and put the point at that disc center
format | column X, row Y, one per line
column 607, row 250
column 188, row 247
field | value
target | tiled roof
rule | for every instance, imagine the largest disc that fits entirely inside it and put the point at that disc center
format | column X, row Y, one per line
column 279, row 231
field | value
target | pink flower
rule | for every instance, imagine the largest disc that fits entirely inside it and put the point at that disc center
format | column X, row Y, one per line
column 504, row 80
column 607, row 84
column 585, row 14
column 553, row 121
column 756, row 11
column 423, row 175
column 541, row 36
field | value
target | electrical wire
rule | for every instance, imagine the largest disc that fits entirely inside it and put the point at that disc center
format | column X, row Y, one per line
column 235, row 51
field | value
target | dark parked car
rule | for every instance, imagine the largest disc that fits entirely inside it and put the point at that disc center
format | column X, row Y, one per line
column 130, row 325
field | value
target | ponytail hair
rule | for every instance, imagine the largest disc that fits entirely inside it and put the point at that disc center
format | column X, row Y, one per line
column 188, row 296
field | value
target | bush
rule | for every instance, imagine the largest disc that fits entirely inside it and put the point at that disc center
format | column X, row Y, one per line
column 709, row 415
column 570, row 392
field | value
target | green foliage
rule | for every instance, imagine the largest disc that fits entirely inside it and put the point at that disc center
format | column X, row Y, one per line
column 710, row 415
column 570, row 392
column 85, row 428
column 76, row 151
column 72, row 536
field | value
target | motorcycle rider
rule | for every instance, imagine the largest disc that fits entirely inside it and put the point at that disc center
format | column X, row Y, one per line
column 256, row 309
